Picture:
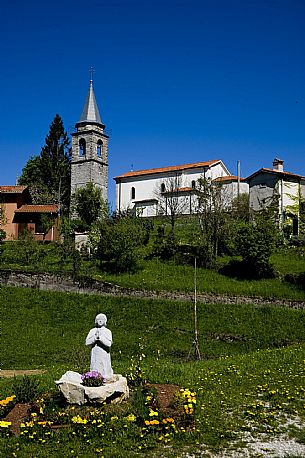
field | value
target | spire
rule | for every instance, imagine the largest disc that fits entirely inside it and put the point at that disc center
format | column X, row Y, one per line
column 90, row 111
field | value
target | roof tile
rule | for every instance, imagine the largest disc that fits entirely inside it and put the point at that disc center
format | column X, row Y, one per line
column 171, row 168
column 276, row 172
column 12, row 189
column 228, row 178
column 52, row 208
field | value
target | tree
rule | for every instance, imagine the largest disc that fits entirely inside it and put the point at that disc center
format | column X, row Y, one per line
column 117, row 242
column 48, row 175
column 89, row 204
column 171, row 203
column 240, row 207
column 256, row 243
column 212, row 214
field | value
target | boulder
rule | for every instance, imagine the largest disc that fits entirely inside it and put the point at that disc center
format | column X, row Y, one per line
column 114, row 391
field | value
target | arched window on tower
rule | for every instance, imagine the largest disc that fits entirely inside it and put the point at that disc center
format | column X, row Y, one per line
column 82, row 147
column 133, row 193
column 99, row 148
column 162, row 187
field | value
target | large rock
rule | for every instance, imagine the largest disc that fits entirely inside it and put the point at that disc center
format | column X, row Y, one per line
column 114, row 391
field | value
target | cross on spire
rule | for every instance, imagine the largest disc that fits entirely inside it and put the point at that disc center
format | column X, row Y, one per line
column 91, row 72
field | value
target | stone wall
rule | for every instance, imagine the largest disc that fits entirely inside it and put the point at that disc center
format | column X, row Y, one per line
column 66, row 283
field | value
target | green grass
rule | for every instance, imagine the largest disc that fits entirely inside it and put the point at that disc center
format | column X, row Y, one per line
column 166, row 276
column 40, row 324
column 161, row 276
column 251, row 355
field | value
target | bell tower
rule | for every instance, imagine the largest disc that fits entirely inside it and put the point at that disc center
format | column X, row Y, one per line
column 89, row 161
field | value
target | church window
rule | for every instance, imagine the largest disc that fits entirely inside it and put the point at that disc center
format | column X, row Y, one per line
column 82, row 147
column 162, row 187
column 193, row 184
column 133, row 193
column 99, row 148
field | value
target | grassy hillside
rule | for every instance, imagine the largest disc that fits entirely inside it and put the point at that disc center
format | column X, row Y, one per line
column 158, row 276
column 250, row 377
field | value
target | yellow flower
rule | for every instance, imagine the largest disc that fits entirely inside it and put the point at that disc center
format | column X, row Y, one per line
column 131, row 417
column 5, row 424
column 154, row 422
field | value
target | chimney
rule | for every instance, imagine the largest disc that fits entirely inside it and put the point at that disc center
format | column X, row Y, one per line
column 278, row 165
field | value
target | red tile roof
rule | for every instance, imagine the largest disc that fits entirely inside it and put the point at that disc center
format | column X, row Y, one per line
column 276, row 172
column 171, row 191
column 171, row 168
column 228, row 178
column 52, row 208
column 185, row 189
column 12, row 189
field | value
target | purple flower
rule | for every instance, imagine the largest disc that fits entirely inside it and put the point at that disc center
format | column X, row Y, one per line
column 92, row 378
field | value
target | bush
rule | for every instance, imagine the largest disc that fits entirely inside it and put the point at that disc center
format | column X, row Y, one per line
column 256, row 243
column 244, row 270
column 25, row 389
column 296, row 279
column 165, row 247
column 297, row 240
column 2, row 235
column 118, row 243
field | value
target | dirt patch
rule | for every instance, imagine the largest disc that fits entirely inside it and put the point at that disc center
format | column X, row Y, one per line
column 166, row 396
column 16, row 373
column 17, row 415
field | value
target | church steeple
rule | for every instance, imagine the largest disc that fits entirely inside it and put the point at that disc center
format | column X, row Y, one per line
column 90, row 113
column 89, row 162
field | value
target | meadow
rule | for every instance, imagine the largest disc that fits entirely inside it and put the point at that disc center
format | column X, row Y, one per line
column 250, row 378
column 157, row 275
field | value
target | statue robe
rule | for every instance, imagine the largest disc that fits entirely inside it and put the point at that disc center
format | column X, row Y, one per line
column 100, row 341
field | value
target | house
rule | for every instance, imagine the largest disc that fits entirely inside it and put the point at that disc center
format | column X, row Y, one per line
column 19, row 215
column 286, row 189
column 143, row 190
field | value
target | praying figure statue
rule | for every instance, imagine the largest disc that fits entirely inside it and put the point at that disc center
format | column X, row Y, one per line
column 100, row 341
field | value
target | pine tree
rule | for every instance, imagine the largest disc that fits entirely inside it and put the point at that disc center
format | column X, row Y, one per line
column 48, row 175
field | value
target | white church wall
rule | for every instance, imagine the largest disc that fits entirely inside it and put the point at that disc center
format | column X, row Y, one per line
column 145, row 187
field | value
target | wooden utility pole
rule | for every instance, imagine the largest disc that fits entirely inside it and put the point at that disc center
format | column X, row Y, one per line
column 195, row 345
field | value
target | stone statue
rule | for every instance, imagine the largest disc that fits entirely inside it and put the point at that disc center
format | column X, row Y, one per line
column 100, row 341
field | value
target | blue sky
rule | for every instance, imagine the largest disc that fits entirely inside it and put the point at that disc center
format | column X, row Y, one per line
column 176, row 81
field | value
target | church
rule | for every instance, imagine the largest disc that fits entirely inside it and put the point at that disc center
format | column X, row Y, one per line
column 135, row 190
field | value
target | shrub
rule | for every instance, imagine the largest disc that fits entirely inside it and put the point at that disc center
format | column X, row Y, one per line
column 256, row 243
column 297, row 240
column 118, row 243
column 2, row 235
column 165, row 247
column 296, row 279
column 25, row 389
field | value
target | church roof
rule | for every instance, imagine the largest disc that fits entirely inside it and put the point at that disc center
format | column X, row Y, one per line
column 172, row 168
column 90, row 111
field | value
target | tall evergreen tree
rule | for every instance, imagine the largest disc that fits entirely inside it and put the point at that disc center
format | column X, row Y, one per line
column 48, row 175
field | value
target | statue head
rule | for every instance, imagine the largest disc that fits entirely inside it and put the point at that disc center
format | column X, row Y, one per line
column 100, row 320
